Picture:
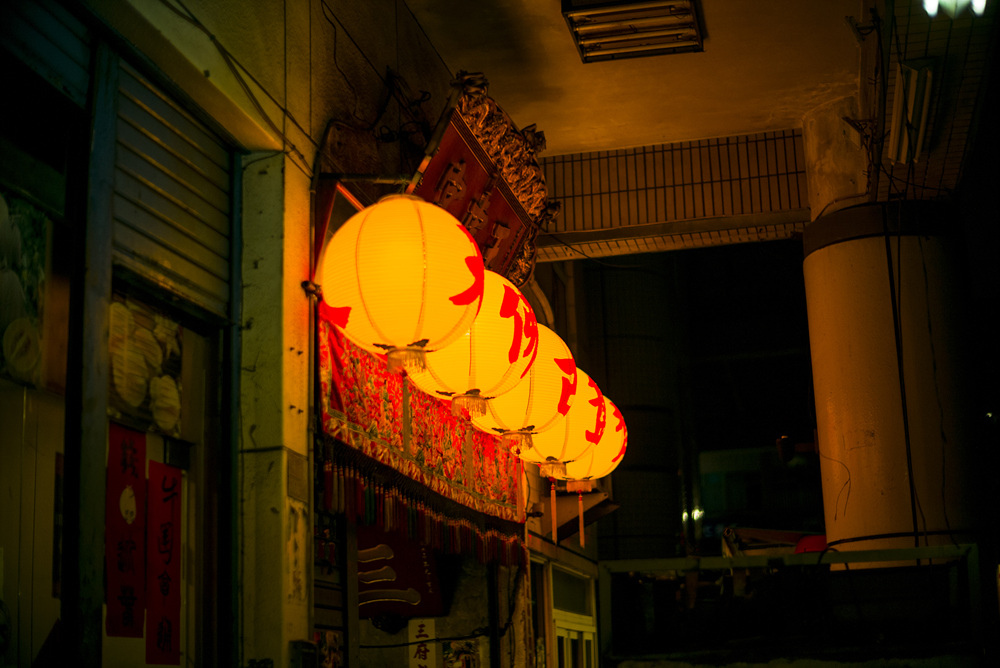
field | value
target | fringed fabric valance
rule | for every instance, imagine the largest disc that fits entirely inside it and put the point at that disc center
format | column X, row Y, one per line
column 351, row 484
column 384, row 418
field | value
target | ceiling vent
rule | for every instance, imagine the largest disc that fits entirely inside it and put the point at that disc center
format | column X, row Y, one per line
column 605, row 30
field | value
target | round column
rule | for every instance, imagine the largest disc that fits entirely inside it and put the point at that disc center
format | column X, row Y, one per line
column 894, row 453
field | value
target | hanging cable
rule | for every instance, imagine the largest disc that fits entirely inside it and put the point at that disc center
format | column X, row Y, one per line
column 588, row 257
column 898, row 335
column 237, row 71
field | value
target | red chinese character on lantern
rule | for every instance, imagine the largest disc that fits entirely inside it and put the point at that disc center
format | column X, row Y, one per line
column 525, row 327
column 601, row 417
column 568, row 368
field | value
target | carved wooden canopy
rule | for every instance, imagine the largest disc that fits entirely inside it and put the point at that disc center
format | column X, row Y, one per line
column 480, row 167
column 476, row 164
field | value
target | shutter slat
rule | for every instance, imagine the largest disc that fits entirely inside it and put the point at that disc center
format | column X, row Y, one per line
column 173, row 119
column 172, row 196
column 170, row 270
column 171, row 237
column 174, row 192
column 213, row 188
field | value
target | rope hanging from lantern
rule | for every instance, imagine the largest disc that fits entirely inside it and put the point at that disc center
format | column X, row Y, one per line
column 521, row 501
column 555, row 524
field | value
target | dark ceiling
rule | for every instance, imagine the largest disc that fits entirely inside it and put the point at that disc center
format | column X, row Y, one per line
column 764, row 65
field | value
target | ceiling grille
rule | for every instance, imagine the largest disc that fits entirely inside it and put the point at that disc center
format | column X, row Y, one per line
column 610, row 31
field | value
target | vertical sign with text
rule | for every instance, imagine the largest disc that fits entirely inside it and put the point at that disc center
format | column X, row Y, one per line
column 125, row 531
column 163, row 573
column 422, row 648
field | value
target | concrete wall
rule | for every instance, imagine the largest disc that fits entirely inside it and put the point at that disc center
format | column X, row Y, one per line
column 836, row 162
column 272, row 79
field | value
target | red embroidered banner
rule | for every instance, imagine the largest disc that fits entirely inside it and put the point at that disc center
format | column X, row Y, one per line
column 163, row 574
column 125, row 532
column 364, row 406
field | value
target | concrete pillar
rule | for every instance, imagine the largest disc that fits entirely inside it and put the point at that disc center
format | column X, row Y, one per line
column 836, row 161
column 895, row 447
column 274, row 400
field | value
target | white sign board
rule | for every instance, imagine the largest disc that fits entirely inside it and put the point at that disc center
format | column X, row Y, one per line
column 423, row 647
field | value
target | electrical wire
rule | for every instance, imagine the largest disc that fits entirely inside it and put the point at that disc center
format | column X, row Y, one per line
column 237, row 71
column 937, row 396
column 263, row 157
column 476, row 633
column 337, row 26
column 898, row 335
column 588, row 257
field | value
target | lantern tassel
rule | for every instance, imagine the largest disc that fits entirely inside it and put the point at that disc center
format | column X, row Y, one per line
column 555, row 525
column 516, row 441
column 579, row 505
column 409, row 358
column 471, row 401
column 552, row 468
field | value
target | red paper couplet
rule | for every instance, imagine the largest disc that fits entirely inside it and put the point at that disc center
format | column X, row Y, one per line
column 125, row 532
column 163, row 572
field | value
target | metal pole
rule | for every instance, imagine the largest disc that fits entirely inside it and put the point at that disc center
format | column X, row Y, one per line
column 87, row 421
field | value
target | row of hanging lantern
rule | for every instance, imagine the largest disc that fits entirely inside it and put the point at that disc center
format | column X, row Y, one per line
column 404, row 278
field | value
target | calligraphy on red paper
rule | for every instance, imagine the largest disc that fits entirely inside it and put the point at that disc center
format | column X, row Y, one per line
column 124, row 532
column 163, row 572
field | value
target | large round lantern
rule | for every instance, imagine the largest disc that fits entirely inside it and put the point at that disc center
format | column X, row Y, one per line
column 402, row 277
column 538, row 401
column 597, row 462
column 604, row 457
column 573, row 435
column 491, row 357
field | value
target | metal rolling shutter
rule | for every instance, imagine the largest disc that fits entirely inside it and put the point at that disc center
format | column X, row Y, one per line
column 172, row 202
column 51, row 42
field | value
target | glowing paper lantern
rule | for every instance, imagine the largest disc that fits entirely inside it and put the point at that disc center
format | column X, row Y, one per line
column 402, row 277
column 491, row 357
column 538, row 401
column 597, row 462
column 573, row 435
column 604, row 457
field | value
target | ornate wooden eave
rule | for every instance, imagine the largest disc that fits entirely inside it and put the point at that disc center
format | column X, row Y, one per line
column 477, row 164
column 507, row 156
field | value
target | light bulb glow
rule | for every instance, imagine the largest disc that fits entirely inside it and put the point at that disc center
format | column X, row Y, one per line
column 954, row 7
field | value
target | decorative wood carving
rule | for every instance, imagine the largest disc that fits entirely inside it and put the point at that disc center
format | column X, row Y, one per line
column 483, row 169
